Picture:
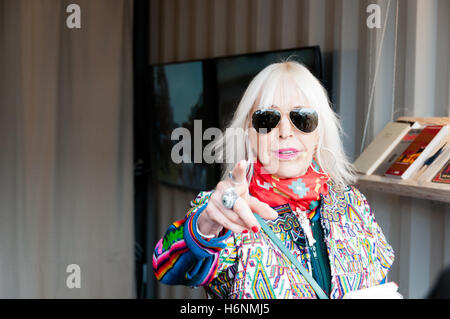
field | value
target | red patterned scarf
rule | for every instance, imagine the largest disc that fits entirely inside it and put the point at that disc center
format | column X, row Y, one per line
column 301, row 192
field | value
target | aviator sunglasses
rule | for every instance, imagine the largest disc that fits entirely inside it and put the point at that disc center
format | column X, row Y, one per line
column 266, row 119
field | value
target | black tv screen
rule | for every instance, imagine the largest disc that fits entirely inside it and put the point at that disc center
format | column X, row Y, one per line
column 207, row 91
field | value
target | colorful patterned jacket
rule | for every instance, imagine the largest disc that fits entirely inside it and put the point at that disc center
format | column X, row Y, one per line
column 251, row 266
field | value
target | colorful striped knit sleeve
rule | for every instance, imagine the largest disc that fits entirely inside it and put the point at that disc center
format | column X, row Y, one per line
column 184, row 257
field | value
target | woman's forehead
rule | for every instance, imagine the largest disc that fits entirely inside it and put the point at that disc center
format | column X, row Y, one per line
column 283, row 99
column 284, row 92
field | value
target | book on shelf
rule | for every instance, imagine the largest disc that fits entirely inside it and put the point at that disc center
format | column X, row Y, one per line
column 398, row 149
column 381, row 146
column 443, row 176
column 434, row 162
column 417, row 152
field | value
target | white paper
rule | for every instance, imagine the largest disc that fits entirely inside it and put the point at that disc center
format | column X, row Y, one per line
column 383, row 291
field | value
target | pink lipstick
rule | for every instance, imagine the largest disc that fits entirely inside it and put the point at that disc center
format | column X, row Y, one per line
column 287, row 153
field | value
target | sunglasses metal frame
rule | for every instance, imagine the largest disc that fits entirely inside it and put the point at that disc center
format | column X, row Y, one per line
column 308, row 109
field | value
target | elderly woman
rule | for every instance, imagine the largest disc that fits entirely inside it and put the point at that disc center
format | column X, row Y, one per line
column 284, row 221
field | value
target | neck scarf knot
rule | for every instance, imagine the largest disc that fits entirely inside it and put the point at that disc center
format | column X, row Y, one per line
column 302, row 192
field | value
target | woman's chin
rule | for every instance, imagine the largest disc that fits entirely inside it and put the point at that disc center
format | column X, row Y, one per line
column 290, row 169
column 284, row 168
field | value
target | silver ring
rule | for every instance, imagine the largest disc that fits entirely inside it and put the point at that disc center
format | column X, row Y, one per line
column 229, row 198
column 230, row 175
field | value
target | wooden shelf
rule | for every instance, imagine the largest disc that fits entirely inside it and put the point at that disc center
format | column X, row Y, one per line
column 410, row 188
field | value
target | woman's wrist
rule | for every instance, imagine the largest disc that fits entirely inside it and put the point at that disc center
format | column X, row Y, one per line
column 203, row 235
column 207, row 230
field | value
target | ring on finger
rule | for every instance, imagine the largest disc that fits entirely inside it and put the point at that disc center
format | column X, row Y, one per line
column 229, row 198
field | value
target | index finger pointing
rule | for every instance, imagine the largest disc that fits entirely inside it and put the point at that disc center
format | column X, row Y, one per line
column 239, row 171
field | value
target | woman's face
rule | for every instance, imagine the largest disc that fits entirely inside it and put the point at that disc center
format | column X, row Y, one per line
column 274, row 147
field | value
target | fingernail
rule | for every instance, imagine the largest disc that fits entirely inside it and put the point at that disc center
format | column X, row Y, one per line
column 245, row 231
column 255, row 229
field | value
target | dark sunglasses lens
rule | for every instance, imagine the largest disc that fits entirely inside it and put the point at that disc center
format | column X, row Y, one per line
column 265, row 120
column 306, row 120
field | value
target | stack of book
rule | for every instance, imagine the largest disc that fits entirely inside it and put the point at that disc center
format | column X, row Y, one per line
column 408, row 150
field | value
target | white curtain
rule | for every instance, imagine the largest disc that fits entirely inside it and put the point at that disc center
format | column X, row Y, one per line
column 66, row 183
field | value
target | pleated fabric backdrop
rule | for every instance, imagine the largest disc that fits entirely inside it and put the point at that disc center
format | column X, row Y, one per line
column 66, row 193
column 412, row 79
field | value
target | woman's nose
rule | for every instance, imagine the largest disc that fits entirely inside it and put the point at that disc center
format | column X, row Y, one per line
column 285, row 128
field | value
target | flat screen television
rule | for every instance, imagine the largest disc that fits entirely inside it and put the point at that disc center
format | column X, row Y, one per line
column 207, row 90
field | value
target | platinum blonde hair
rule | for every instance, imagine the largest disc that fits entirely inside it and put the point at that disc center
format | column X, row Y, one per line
column 329, row 153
